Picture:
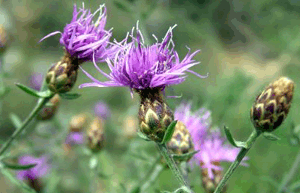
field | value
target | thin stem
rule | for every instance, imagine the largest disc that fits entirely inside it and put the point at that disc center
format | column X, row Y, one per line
column 39, row 106
column 172, row 165
column 290, row 175
column 254, row 135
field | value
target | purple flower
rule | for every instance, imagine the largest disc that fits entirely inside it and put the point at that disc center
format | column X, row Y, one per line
column 210, row 142
column 36, row 81
column 139, row 67
column 74, row 138
column 102, row 110
column 83, row 38
column 40, row 170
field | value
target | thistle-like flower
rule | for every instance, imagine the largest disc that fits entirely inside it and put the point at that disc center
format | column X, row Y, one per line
column 102, row 110
column 83, row 38
column 148, row 70
column 36, row 81
column 96, row 135
column 75, row 138
column 272, row 105
column 49, row 111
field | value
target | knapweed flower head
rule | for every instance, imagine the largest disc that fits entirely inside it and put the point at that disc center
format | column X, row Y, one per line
column 141, row 67
column 84, row 38
column 211, row 144
column 41, row 169
column 75, row 138
column 102, row 110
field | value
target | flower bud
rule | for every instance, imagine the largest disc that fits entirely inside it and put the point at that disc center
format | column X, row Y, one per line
column 154, row 114
column 78, row 123
column 4, row 39
column 49, row 111
column 210, row 184
column 62, row 76
column 181, row 141
column 96, row 135
column 272, row 105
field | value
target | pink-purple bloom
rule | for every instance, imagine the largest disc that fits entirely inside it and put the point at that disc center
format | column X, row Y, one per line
column 36, row 81
column 85, row 39
column 75, row 138
column 140, row 67
column 41, row 169
column 102, row 110
column 211, row 145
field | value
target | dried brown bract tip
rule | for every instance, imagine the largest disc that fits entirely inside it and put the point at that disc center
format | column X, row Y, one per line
column 272, row 106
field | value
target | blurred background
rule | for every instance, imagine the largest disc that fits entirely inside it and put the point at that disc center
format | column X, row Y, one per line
column 244, row 46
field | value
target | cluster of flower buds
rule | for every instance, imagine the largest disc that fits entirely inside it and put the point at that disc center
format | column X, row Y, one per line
column 154, row 114
column 49, row 111
column 210, row 184
column 272, row 105
column 181, row 141
column 96, row 137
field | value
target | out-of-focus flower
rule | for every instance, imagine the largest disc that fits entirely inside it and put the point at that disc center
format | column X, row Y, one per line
column 96, row 135
column 78, row 123
column 41, row 169
column 84, row 38
column 142, row 67
column 102, row 110
column 36, row 81
column 4, row 39
column 210, row 142
column 49, row 111
column 75, row 138
column 130, row 126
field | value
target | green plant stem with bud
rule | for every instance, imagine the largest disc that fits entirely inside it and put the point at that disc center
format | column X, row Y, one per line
column 35, row 111
column 248, row 144
column 290, row 175
column 172, row 165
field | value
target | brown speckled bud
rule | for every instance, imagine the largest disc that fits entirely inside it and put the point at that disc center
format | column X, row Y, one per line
column 181, row 142
column 209, row 184
column 154, row 114
column 96, row 135
column 4, row 39
column 62, row 76
column 272, row 105
column 49, row 111
column 78, row 123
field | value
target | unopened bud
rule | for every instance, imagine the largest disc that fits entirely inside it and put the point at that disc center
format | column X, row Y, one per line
column 154, row 114
column 96, row 135
column 78, row 123
column 4, row 39
column 181, row 141
column 49, row 111
column 272, row 105
column 210, row 184
column 62, row 76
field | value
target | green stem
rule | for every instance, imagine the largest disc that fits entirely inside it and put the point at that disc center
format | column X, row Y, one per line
column 290, row 175
column 172, row 165
column 39, row 106
column 254, row 135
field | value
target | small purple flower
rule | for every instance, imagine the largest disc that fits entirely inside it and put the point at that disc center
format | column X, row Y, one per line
column 210, row 142
column 140, row 67
column 40, row 170
column 36, row 81
column 75, row 138
column 102, row 110
column 83, row 38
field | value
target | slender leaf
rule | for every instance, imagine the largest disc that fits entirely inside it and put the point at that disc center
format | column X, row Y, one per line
column 18, row 167
column 169, row 132
column 294, row 186
column 184, row 157
column 143, row 136
column 232, row 141
column 270, row 136
column 270, row 180
column 15, row 120
column 69, row 96
column 43, row 94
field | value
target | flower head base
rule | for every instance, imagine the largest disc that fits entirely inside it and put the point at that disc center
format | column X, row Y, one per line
column 83, row 38
column 154, row 114
column 102, row 110
column 272, row 105
column 40, row 170
column 141, row 67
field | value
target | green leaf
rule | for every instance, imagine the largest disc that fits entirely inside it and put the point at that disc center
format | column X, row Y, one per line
column 270, row 136
column 169, row 132
column 69, row 96
column 44, row 94
column 270, row 180
column 294, row 186
column 184, row 157
column 232, row 141
column 18, row 167
column 122, row 6
column 19, row 183
column 143, row 136
column 15, row 120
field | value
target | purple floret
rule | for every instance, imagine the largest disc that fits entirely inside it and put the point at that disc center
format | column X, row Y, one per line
column 102, row 110
column 75, row 138
column 83, row 38
column 140, row 67
column 36, row 81
column 40, row 170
